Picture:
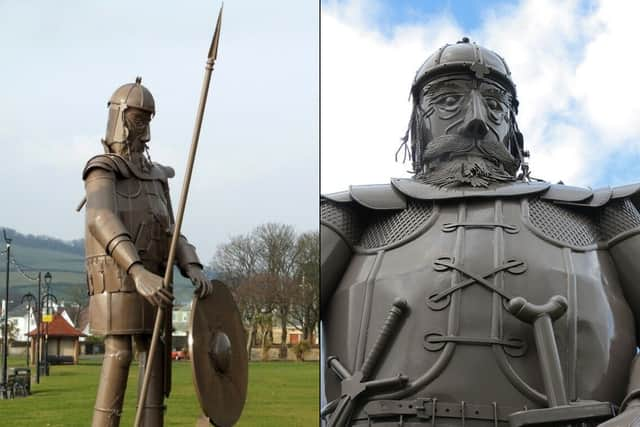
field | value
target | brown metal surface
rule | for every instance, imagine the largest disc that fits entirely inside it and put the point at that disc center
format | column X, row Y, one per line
column 219, row 358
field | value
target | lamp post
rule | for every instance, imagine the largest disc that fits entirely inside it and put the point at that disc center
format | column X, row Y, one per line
column 47, row 281
column 5, row 334
column 29, row 298
column 39, row 323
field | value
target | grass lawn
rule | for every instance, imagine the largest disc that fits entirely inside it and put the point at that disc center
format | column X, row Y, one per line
column 280, row 394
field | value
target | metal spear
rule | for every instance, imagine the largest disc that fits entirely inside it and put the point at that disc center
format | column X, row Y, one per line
column 160, row 312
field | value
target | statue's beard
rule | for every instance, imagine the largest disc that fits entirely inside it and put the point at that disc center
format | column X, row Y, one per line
column 135, row 150
column 456, row 160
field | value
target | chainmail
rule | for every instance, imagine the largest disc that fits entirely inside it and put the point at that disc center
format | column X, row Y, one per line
column 617, row 217
column 387, row 227
column 583, row 226
column 381, row 228
column 343, row 217
column 573, row 226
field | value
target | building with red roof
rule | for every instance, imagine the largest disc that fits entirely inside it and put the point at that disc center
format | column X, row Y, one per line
column 62, row 337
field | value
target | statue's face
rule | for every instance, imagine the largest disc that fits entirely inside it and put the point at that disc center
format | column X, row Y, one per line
column 466, row 129
column 137, row 122
column 464, row 105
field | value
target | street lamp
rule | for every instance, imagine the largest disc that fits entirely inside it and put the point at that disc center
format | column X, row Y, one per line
column 38, row 356
column 47, row 281
column 5, row 335
column 29, row 298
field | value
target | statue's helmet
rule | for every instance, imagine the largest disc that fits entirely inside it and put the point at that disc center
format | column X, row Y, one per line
column 130, row 95
column 463, row 57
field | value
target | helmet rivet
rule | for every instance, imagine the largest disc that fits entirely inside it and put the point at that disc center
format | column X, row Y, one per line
column 464, row 40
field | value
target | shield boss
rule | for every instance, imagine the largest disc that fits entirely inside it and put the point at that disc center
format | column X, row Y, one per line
column 219, row 356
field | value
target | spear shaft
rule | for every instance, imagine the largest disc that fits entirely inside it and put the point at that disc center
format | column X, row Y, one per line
column 160, row 312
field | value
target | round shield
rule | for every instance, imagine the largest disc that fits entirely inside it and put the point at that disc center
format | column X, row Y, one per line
column 217, row 345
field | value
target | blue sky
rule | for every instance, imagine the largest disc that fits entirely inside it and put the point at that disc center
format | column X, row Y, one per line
column 466, row 13
column 578, row 129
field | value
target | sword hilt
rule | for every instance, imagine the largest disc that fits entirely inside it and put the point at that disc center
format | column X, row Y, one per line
column 396, row 312
column 541, row 317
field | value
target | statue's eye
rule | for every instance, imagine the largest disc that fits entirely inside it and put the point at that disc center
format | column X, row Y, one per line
column 449, row 100
column 493, row 104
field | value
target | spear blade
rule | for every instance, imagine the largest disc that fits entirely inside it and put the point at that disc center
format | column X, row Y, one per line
column 213, row 49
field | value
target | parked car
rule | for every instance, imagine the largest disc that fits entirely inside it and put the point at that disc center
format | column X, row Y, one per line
column 179, row 355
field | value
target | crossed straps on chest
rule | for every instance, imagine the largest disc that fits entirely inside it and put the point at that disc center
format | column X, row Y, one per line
column 439, row 300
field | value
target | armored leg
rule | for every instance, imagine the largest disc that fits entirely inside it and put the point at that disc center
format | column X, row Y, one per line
column 153, row 412
column 113, row 381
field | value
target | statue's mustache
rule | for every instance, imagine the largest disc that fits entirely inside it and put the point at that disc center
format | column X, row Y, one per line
column 460, row 144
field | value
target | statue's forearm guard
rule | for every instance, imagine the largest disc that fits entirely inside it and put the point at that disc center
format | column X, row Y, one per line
column 186, row 254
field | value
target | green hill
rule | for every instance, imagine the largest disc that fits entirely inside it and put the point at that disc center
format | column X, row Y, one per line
column 64, row 260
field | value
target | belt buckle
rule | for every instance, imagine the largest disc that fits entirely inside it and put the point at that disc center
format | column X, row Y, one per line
column 424, row 407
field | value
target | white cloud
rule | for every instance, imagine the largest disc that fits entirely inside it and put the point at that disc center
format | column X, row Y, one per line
column 565, row 58
column 605, row 80
column 365, row 81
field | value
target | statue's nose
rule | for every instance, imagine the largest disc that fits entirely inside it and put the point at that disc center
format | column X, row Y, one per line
column 475, row 121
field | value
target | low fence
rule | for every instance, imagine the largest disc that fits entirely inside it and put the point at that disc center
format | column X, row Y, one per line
column 273, row 353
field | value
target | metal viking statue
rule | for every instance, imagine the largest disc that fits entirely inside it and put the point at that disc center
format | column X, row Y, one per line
column 471, row 294
column 132, row 244
column 129, row 220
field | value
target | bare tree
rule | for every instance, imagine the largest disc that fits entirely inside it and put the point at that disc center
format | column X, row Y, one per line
column 263, row 263
column 305, row 307
column 237, row 260
column 12, row 328
column 254, row 296
column 79, row 300
column 277, row 243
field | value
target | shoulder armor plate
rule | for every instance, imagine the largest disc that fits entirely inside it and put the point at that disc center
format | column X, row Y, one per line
column 629, row 190
column 169, row 172
column 565, row 193
column 340, row 197
column 107, row 162
column 421, row 191
column 378, row 197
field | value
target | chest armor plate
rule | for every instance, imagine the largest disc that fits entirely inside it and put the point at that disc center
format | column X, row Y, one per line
column 143, row 209
column 457, row 265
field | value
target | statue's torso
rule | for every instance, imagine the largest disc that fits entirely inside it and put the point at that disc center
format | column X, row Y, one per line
column 142, row 205
column 463, row 345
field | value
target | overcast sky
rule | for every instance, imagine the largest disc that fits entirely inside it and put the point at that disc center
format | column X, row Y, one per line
column 574, row 64
column 258, row 154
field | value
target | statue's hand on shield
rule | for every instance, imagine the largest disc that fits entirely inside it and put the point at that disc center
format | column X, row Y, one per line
column 196, row 275
column 149, row 285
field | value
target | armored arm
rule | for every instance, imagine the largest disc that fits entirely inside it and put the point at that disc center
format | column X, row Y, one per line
column 102, row 221
column 338, row 233
column 335, row 255
column 186, row 256
column 620, row 225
